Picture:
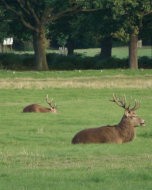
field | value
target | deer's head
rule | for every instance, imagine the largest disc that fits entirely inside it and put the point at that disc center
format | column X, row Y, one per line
column 51, row 104
column 130, row 118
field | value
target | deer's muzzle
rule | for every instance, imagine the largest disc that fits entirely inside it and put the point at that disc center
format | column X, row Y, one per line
column 142, row 123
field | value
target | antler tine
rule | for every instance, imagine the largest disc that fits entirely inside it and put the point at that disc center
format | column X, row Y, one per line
column 136, row 106
column 120, row 102
column 123, row 102
column 115, row 99
column 127, row 107
column 49, row 101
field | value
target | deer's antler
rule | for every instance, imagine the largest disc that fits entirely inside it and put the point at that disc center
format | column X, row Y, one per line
column 122, row 102
column 50, row 102
column 136, row 106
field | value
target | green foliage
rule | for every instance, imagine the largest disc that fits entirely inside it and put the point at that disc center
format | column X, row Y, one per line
column 60, row 62
column 84, row 59
column 146, row 30
column 144, row 62
column 62, row 39
column 134, row 13
column 17, row 61
column 4, row 25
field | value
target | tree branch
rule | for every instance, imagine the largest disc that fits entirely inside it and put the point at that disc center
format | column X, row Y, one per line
column 33, row 13
column 10, row 8
column 18, row 13
column 46, row 15
column 148, row 13
column 23, row 6
column 72, row 10
column 28, row 25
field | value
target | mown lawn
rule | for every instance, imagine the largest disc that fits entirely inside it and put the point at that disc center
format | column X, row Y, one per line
column 36, row 151
column 119, row 52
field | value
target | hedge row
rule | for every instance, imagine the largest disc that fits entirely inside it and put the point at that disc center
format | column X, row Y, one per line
column 60, row 62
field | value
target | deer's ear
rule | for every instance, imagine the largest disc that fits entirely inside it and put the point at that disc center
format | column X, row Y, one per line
column 127, row 113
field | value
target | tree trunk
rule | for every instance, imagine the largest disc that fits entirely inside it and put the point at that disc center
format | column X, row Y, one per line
column 106, row 47
column 133, row 61
column 70, row 46
column 39, row 44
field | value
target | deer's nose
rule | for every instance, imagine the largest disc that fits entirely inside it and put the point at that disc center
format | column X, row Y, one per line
column 142, row 123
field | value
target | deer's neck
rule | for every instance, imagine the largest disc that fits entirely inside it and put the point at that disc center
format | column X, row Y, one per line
column 125, row 125
column 126, row 131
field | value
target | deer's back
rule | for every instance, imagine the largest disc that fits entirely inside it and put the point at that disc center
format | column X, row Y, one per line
column 106, row 134
column 35, row 108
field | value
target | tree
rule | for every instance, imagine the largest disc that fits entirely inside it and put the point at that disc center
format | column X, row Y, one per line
column 75, row 28
column 125, row 18
column 146, row 30
column 36, row 15
column 4, row 27
column 106, row 22
column 134, row 12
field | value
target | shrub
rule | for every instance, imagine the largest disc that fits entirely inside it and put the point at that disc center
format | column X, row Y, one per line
column 10, row 61
column 59, row 62
column 145, row 62
column 111, row 63
column 28, row 62
column 16, row 61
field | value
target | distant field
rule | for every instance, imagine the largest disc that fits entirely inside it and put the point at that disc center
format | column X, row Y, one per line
column 35, row 149
column 120, row 52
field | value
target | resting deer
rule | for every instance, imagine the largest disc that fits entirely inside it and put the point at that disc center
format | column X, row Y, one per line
column 123, row 132
column 38, row 108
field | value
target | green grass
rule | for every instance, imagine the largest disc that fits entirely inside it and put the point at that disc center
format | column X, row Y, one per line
column 119, row 52
column 75, row 73
column 36, row 151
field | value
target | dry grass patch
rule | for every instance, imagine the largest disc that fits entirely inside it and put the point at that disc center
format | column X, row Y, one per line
column 76, row 82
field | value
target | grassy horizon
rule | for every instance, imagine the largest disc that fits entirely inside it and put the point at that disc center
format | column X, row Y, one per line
column 119, row 52
column 36, row 151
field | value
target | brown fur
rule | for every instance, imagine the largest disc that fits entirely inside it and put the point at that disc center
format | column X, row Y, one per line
column 38, row 108
column 120, row 133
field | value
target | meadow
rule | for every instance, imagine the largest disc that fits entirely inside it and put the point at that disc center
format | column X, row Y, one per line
column 119, row 52
column 35, row 148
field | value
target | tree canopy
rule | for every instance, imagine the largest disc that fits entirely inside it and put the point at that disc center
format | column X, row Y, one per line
column 101, row 19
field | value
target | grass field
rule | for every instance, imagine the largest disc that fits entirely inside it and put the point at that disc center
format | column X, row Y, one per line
column 119, row 52
column 35, row 149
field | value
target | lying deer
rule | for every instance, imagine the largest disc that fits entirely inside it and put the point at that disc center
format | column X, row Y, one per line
column 38, row 108
column 123, row 132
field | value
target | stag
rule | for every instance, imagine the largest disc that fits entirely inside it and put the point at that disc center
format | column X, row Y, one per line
column 39, row 108
column 123, row 132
